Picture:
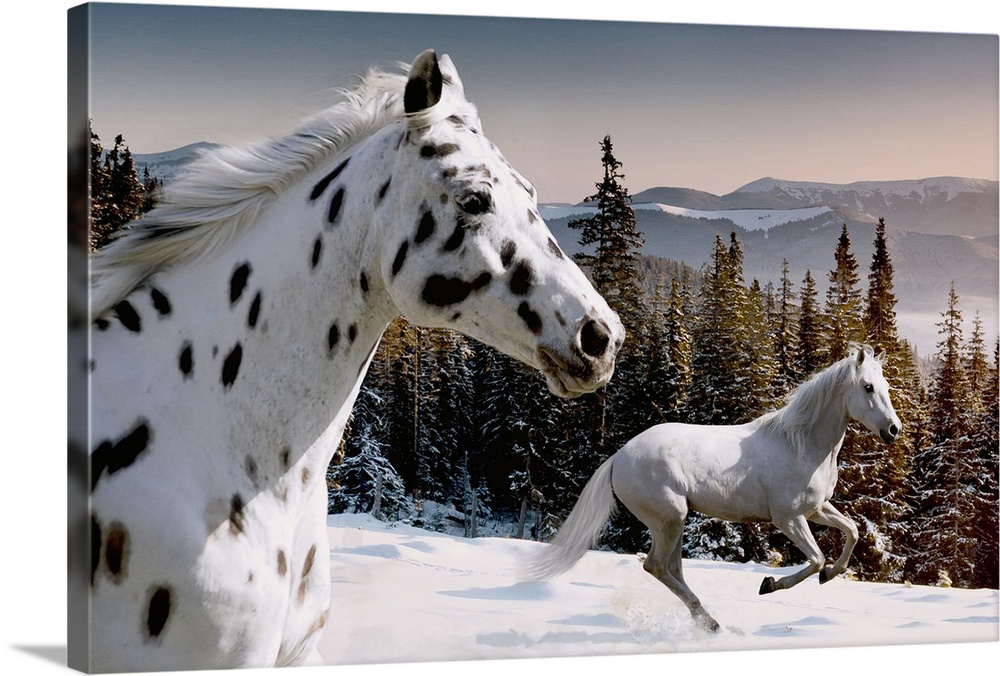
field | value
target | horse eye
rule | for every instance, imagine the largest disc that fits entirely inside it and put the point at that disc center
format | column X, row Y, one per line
column 869, row 388
column 476, row 203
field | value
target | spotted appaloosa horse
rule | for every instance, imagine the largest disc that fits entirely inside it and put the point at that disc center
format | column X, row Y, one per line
column 234, row 325
column 781, row 467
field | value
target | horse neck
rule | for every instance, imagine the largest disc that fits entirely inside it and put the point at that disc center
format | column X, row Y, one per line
column 819, row 436
column 827, row 435
column 310, row 314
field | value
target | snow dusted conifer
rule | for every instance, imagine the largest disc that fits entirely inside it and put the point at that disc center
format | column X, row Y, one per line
column 843, row 301
column 957, row 491
column 785, row 324
column 363, row 480
column 810, row 353
column 875, row 480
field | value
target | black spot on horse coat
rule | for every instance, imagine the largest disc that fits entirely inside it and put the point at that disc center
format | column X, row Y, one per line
column 320, row 187
column 457, row 236
column 530, row 317
column 113, row 456
column 128, row 316
column 522, row 278
column 426, row 227
column 231, row 366
column 335, row 204
column 186, row 360
column 443, row 291
column 160, row 302
column 238, row 282
column 397, row 263
column 254, row 311
column 316, row 251
column 158, row 611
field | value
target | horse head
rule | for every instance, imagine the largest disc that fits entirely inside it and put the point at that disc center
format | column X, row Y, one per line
column 868, row 399
column 477, row 257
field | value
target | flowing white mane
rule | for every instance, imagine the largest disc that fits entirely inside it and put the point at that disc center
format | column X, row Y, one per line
column 225, row 190
column 809, row 399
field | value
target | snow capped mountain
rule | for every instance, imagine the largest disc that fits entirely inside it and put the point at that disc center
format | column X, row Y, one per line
column 941, row 205
column 947, row 187
column 167, row 165
column 748, row 219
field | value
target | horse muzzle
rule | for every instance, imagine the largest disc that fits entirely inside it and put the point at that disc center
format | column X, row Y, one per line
column 589, row 362
column 890, row 434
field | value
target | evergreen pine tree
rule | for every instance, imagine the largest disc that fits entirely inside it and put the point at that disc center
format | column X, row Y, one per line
column 874, row 482
column 732, row 364
column 810, row 353
column 613, row 233
column 977, row 366
column 880, row 314
column 785, row 325
column 843, row 302
column 676, row 378
column 117, row 197
column 616, row 241
column 762, row 365
column 712, row 362
column 953, row 495
column 363, row 480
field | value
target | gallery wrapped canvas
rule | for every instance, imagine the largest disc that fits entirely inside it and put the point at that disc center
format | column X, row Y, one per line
column 359, row 302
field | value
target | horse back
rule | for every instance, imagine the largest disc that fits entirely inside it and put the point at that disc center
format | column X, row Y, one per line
column 719, row 471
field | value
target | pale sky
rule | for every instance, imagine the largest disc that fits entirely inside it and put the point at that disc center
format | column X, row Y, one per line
column 698, row 106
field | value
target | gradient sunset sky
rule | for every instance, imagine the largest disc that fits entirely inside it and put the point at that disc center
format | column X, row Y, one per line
column 698, row 106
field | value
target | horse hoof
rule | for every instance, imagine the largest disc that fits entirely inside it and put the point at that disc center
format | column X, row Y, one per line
column 708, row 623
column 767, row 586
column 826, row 575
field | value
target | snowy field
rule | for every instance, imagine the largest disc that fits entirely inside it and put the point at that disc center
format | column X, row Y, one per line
column 407, row 595
column 409, row 601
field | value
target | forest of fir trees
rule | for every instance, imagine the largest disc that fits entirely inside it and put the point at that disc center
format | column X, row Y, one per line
column 443, row 419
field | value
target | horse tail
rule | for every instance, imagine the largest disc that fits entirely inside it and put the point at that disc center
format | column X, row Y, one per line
column 581, row 529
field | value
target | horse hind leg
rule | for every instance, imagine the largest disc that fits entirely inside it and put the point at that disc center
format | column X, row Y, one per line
column 664, row 563
column 797, row 530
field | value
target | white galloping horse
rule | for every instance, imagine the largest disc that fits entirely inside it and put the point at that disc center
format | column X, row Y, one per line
column 780, row 468
column 233, row 326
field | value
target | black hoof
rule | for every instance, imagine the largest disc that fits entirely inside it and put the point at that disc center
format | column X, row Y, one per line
column 767, row 586
column 825, row 576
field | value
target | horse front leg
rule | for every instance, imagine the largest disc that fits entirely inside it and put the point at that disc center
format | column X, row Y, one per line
column 797, row 530
column 828, row 515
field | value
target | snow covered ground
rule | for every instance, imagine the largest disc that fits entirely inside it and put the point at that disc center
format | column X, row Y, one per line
column 408, row 601
column 401, row 594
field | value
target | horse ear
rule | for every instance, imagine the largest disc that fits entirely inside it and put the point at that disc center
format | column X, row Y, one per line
column 449, row 74
column 861, row 356
column 423, row 89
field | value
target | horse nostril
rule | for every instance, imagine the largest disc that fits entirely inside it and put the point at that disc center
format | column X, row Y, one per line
column 594, row 339
column 893, row 430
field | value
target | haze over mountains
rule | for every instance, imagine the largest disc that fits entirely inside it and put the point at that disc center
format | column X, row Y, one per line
column 940, row 230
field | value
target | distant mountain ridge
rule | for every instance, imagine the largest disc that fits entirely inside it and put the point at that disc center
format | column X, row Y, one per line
column 168, row 164
column 945, row 205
